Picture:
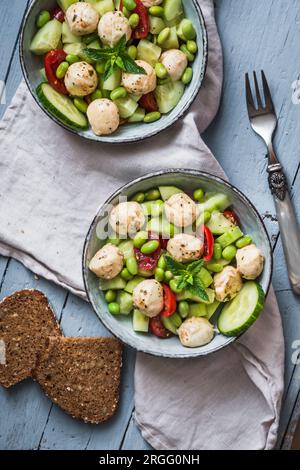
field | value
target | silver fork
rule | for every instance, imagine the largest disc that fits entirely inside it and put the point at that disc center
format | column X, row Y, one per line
column 264, row 122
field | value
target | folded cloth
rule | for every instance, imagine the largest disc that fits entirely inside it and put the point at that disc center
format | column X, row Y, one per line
column 52, row 183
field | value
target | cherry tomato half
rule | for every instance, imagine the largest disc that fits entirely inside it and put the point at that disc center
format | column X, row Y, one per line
column 52, row 61
column 148, row 102
column 158, row 329
column 57, row 14
column 231, row 215
column 169, row 302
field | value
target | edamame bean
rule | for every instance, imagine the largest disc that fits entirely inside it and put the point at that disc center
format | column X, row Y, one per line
column 207, row 216
column 140, row 239
column 150, row 247
column 132, row 266
column 173, row 286
column 163, row 36
column 43, row 18
column 62, row 70
column 114, row 308
column 187, row 76
column 72, row 59
column 125, row 274
column 152, row 195
column 153, row 208
column 229, row 252
column 113, row 240
column 80, row 104
column 118, row 93
column 152, row 117
column 100, row 67
column 156, row 11
column 244, row 241
column 159, row 274
column 110, row 296
column 126, row 12
column 198, row 194
column 192, row 47
column 97, row 95
column 162, row 263
column 188, row 30
column 183, row 308
column 160, row 70
column 190, row 56
column 138, row 197
column 129, row 4
column 215, row 267
column 217, row 251
column 132, row 52
column 168, row 276
column 134, row 20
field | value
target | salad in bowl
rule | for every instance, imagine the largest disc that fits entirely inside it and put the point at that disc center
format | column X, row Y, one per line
column 178, row 264
column 106, row 64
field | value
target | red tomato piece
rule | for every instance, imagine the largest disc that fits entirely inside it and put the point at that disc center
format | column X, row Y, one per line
column 158, row 329
column 57, row 14
column 147, row 262
column 169, row 302
column 52, row 61
column 148, row 102
column 208, row 243
column 143, row 28
column 231, row 215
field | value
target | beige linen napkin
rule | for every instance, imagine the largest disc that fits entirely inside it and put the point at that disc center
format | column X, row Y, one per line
column 51, row 186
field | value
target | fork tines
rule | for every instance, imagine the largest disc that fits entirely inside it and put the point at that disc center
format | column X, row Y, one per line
column 268, row 107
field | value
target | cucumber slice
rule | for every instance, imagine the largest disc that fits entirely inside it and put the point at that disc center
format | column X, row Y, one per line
column 230, row 237
column 138, row 115
column 127, row 249
column 214, row 202
column 67, row 36
column 140, row 322
column 75, row 48
column 47, row 38
column 156, row 24
column 173, row 10
column 212, row 308
column 65, row 4
column 218, row 224
column 102, row 6
column 124, row 299
column 168, row 96
column 61, row 106
column 126, row 106
column 241, row 312
column 113, row 81
column 43, row 75
column 148, row 52
column 112, row 284
column 168, row 191
column 172, row 41
column 131, row 285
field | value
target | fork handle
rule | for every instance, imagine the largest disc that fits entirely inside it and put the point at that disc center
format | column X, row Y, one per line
column 289, row 231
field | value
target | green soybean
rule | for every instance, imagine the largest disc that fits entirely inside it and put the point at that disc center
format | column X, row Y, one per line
column 215, row 267
column 126, row 12
column 187, row 76
column 72, row 59
column 159, row 274
column 183, row 308
column 110, row 296
column 134, row 20
column 138, row 197
column 229, row 252
column 188, row 30
column 190, row 56
column 43, row 18
column 118, row 93
column 156, row 11
column 163, row 36
column 62, row 70
column 114, row 308
column 80, row 104
column 198, row 194
column 125, row 274
column 140, row 239
column 97, row 95
column 129, row 4
column 150, row 247
column 114, row 241
column 160, row 70
column 152, row 195
column 100, row 67
column 132, row 266
column 168, row 276
column 132, row 52
column 152, row 117
column 192, row 47
column 217, row 251
column 173, row 286
column 162, row 263
column 244, row 241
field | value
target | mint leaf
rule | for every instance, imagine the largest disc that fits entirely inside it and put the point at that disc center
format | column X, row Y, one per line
column 198, row 289
column 174, row 266
column 121, row 45
column 98, row 54
column 109, row 70
column 130, row 66
column 195, row 267
column 181, row 282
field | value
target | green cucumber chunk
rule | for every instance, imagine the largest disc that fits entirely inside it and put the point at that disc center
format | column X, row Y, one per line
column 241, row 312
column 212, row 308
column 113, row 81
column 214, row 202
column 65, row 4
column 67, row 36
column 75, row 48
column 172, row 41
column 138, row 115
column 197, row 310
column 61, row 106
column 117, row 283
column 148, row 52
column 205, row 277
column 47, row 38
column 140, row 322
column 219, row 224
column 173, row 10
column 124, row 299
column 102, row 6
column 126, row 106
column 127, row 249
column 156, row 24
column 162, row 226
column 168, row 96
column 168, row 191
column 172, row 323
column 230, row 237
column 131, row 285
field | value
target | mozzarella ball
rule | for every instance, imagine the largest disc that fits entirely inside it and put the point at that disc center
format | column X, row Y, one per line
column 140, row 83
column 175, row 62
column 181, row 210
column 103, row 116
column 184, row 247
column 151, row 3
column 112, row 27
column 195, row 332
column 127, row 218
column 107, row 262
column 227, row 284
column 148, row 297
column 82, row 18
column 250, row 261
column 81, row 79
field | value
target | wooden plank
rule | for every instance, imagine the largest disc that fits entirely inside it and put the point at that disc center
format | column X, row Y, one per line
column 133, row 438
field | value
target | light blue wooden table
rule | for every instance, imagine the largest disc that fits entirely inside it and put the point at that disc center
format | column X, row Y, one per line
column 255, row 34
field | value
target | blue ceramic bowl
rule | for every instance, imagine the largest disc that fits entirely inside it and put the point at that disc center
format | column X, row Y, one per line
column 32, row 64
column 121, row 326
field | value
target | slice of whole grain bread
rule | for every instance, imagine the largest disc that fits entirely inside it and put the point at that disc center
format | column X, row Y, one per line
column 26, row 322
column 82, row 376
